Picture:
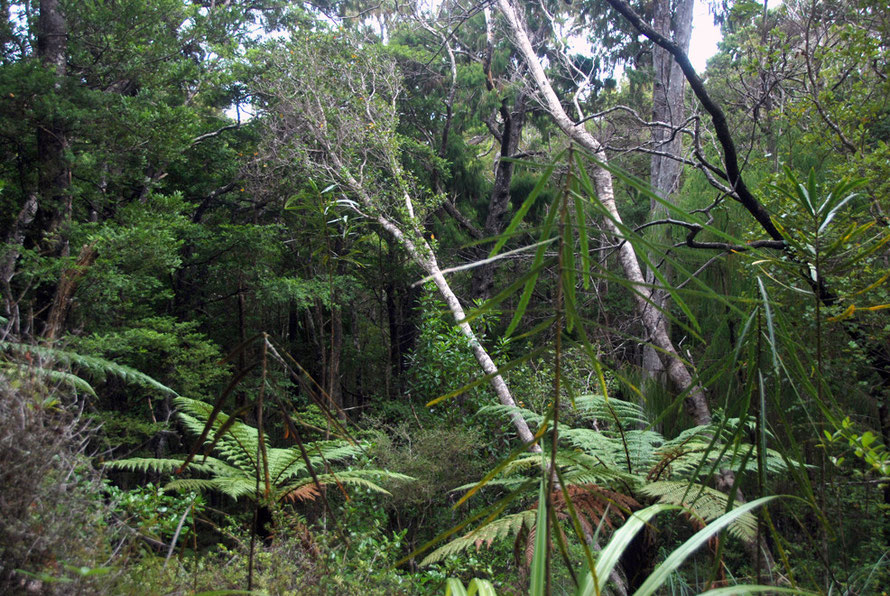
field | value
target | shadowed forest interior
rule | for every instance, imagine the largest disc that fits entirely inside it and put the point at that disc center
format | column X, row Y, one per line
column 444, row 297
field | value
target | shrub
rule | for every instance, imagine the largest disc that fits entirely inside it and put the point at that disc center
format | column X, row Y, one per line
column 51, row 512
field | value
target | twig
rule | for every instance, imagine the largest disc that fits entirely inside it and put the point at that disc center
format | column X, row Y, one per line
column 479, row 263
column 176, row 534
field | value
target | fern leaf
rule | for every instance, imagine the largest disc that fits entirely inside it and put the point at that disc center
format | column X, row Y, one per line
column 487, row 534
column 169, row 465
column 612, row 410
column 51, row 376
column 706, row 504
column 97, row 367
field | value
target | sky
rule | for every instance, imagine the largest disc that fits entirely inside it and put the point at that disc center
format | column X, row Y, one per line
column 703, row 44
column 705, row 35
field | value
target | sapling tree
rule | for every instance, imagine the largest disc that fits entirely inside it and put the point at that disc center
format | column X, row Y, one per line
column 332, row 113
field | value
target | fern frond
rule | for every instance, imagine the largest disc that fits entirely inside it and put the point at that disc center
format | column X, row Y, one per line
column 608, row 451
column 170, row 465
column 500, row 410
column 48, row 374
column 775, row 463
column 97, row 367
column 610, row 411
column 704, row 503
column 522, row 464
column 231, row 486
column 594, row 506
column 307, row 492
column 359, row 478
column 487, row 534
column 234, row 472
column 239, row 442
column 697, row 434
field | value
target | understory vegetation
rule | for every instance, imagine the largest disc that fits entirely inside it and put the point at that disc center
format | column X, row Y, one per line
column 443, row 298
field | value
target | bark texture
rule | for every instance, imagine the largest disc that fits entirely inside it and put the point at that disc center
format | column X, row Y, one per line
column 673, row 20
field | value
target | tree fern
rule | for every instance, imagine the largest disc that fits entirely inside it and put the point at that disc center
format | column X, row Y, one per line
column 234, row 472
column 622, row 461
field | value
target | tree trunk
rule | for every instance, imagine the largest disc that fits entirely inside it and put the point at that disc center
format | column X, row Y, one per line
column 58, row 313
column 332, row 374
column 696, row 404
column 672, row 21
column 400, row 305
column 54, row 208
column 15, row 240
column 482, row 282
column 667, row 98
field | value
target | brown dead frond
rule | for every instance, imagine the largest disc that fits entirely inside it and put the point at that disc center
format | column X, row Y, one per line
column 594, row 506
column 307, row 492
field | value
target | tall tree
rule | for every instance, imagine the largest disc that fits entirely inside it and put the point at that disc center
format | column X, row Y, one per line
column 332, row 112
column 696, row 404
column 52, row 138
column 673, row 19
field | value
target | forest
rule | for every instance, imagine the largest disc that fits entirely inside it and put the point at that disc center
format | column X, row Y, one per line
column 444, row 297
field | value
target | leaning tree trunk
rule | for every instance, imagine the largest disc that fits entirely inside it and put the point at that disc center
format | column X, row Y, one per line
column 412, row 240
column 696, row 404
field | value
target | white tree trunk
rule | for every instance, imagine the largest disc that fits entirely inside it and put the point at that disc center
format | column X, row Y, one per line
column 422, row 254
column 696, row 403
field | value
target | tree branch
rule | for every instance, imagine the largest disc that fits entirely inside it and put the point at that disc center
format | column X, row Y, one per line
column 730, row 156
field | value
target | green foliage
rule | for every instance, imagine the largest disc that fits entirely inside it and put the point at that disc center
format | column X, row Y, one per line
column 442, row 359
column 209, row 231
column 98, row 368
column 153, row 512
column 866, row 447
column 286, row 473
column 166, row 348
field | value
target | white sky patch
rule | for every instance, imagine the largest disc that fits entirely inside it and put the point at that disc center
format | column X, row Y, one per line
column 702, row 46
column 705, row 36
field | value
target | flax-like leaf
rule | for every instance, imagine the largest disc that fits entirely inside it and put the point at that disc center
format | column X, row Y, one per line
column 538, row 578
column 583, row 245
column 595, row 579
column 523, row 209
column 680, row 554
column 536, row 264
